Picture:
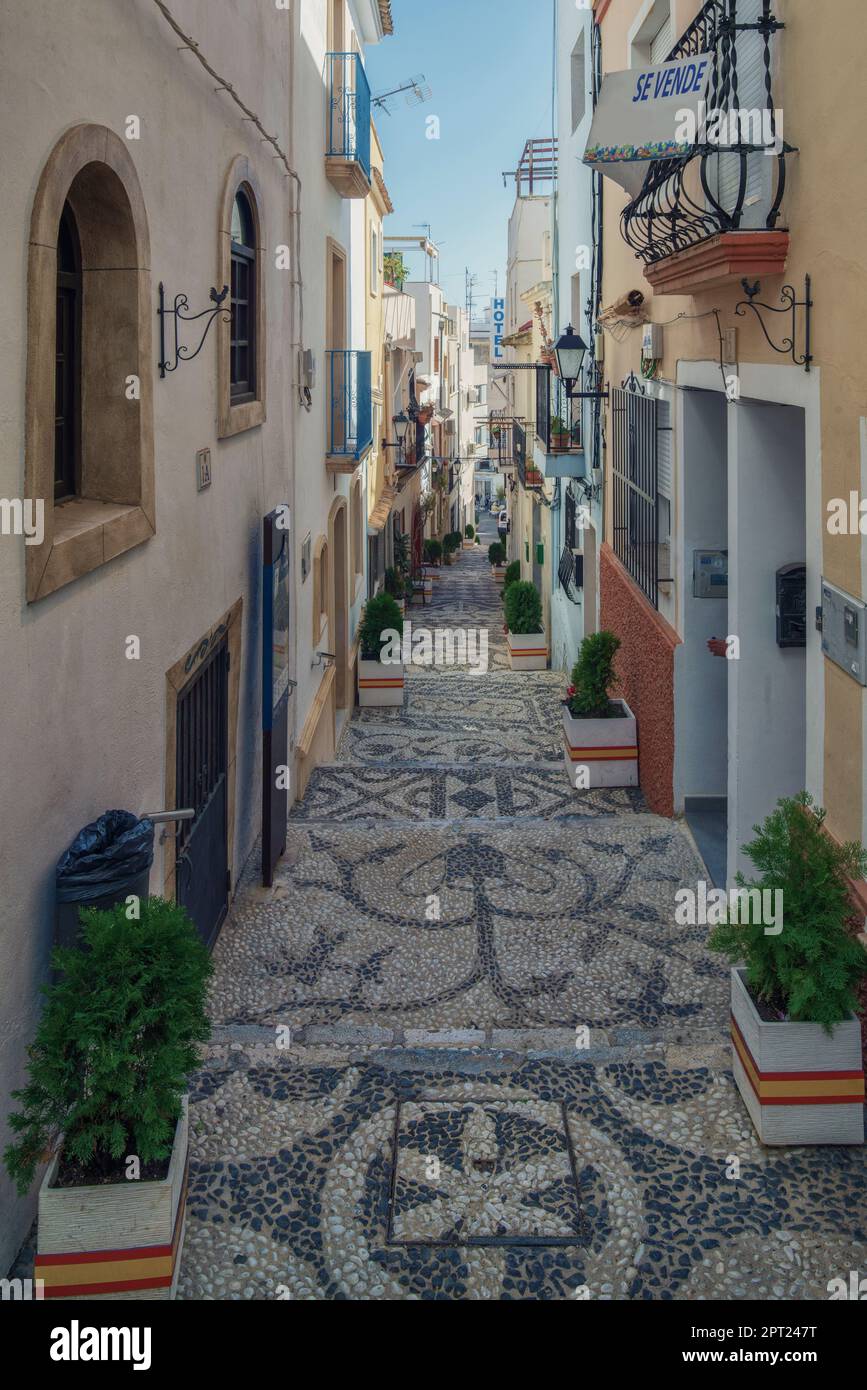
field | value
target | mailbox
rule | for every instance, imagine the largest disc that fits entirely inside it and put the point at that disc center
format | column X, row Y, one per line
column 792, row 606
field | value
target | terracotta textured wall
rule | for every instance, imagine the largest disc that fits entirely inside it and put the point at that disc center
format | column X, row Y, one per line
column 645, row 665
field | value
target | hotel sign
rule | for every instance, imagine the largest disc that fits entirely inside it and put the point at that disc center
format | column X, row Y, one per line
column 498, row 326
column 641, row 117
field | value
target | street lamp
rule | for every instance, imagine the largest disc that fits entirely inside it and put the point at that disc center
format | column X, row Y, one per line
column 401, row 425
column 570, row 352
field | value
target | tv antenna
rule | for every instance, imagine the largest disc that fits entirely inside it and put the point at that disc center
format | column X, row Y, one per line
column 416, row 92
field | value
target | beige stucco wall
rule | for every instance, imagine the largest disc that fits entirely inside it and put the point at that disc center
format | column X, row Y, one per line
column 818, row 87
column 84, row 728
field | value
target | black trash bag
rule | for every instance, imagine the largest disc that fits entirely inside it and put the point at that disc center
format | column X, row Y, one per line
column 105, row 857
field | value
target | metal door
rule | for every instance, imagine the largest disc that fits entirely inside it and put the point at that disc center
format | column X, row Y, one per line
column 202, row 864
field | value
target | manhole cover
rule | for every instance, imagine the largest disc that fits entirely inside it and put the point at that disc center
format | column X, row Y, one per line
column 493, row 1172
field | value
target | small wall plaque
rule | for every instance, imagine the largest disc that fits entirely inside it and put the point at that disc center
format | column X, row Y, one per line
column 203, row 469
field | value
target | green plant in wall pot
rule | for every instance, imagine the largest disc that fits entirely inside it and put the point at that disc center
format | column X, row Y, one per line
column 114, row 1047
column 379, row 621
column 594, row 679
column 810, row 970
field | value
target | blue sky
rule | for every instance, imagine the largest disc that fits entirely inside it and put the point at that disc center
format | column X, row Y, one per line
column 489, row 65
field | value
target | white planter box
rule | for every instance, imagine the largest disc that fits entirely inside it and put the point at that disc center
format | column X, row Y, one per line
column 136, row 1229
column 380, row 684
column 528, row 651
column 432, row 572
column 607, row 750
column 799, row 1085
column 499, row 572
column 469, row 545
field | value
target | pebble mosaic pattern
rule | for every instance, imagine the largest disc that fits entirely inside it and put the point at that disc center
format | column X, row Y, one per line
column 396, row 1104
column 291, row 1184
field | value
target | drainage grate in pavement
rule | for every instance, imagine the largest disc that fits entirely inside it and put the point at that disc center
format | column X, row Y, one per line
column 495, row 1172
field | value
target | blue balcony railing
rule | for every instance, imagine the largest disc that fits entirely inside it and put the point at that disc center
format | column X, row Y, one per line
column 350, row 406
column 348, row 121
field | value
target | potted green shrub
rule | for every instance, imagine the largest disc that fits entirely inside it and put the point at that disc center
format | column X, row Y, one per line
column 433, row 554
column 600, row 734
column 380, row 663
column 451, row 543
column 395, row 587
column 497, row 560
column 796, row 1043
column 528, row 645
column 469, row 537
column 512, row 575
column 105, row 1103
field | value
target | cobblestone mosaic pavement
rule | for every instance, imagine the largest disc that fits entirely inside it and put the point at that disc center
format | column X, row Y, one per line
column 396, row 1104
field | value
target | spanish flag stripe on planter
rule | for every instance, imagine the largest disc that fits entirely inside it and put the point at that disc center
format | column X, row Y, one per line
column 600, row 755
column 87, row 1273
column 798, row 1088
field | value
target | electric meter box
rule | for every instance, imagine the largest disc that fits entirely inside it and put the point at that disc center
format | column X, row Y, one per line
column 844, row 631
column 710, row 574
column 651, row 342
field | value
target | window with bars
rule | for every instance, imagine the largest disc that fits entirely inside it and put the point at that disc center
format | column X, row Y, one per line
column 635, row 501
column 242, row 340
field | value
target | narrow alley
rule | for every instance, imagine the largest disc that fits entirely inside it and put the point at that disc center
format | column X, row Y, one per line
column 461, row 1050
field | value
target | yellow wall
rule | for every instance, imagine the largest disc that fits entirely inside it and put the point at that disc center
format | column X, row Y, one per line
column 819, row 86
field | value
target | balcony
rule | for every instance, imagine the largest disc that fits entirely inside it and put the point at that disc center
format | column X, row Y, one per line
column 710, row 218
column 347, row 135
column 350, row 409
column 559, row 451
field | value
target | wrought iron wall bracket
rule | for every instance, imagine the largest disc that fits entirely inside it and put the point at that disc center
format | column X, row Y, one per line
column 177, row 315
column 790, row 304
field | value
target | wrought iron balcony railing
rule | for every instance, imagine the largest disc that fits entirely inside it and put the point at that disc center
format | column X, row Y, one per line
column 350, row 405
column 558, row 417
column 736, row 182
column 348, row 123
column 508, row 442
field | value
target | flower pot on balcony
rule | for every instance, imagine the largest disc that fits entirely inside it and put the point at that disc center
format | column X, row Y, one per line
column 116, row 1240
column 799, row 1085
column 380, row 684
column 528, row 651
column 601, row 752
column 560, row 442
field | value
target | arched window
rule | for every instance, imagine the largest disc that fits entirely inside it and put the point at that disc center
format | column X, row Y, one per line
column 67, row 352
column 89, row 444
column 244, row 301
column 241, row 338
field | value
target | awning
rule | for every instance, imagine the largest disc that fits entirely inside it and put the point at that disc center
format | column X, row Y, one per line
column 646, row 114
column 382, row 511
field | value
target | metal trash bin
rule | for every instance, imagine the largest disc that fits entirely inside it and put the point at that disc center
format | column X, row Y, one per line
column 107, row 862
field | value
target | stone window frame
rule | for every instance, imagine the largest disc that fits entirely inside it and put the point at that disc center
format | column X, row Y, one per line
column 320, row 589
column 116, row 510
column 234, row 418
